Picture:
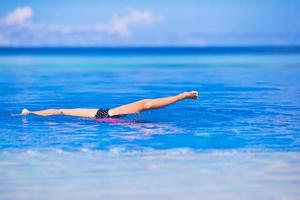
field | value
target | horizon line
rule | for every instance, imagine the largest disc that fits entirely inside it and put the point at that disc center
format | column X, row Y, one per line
column 149, row 50
column 162, row 46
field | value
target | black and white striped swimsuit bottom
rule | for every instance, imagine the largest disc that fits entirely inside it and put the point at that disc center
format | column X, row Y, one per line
column 103, row 113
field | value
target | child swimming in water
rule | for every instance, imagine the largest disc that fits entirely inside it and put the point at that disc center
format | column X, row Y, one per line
column 132, row 108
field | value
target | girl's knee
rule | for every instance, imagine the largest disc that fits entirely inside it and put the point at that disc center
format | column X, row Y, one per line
column 146, row 104
column 59, row 111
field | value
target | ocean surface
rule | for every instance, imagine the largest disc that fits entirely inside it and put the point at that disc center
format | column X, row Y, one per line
column 239, row 140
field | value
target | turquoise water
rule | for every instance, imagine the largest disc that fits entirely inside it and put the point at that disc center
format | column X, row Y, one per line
column 243, row 131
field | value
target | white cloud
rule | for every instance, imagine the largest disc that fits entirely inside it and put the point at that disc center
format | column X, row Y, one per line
column 17, row 27
column 121, row 24
column 18, row 16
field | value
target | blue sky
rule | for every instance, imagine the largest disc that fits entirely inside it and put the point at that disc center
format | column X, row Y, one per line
column 149, row 23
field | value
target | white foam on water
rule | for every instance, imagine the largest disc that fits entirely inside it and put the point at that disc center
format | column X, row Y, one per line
column 150, row 174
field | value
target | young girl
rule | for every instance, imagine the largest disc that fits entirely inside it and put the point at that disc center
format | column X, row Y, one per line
column 132, row 108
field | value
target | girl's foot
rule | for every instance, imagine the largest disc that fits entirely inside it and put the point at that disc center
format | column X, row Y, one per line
column 190, row 95
column 25, row 112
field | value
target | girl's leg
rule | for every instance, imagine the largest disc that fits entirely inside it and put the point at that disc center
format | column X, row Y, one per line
column 79, row 112
column 148, row 104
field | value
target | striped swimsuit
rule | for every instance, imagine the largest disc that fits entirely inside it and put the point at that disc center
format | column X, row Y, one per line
column 102, row 113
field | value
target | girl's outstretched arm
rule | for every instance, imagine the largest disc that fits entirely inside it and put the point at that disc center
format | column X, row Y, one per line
column 78, row 112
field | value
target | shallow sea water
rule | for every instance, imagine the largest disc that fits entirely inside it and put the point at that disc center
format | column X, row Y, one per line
column 240, row 140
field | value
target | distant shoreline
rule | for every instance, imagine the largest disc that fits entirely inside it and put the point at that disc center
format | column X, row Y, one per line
column 209, row 50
